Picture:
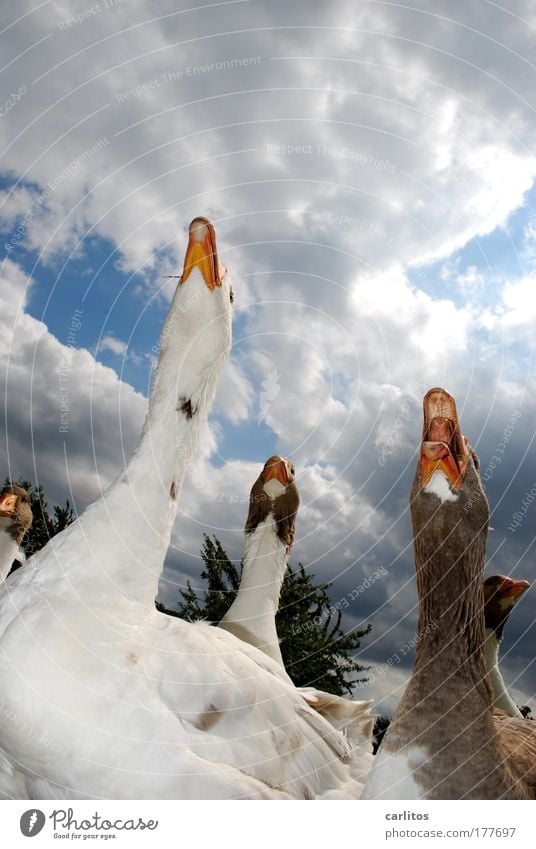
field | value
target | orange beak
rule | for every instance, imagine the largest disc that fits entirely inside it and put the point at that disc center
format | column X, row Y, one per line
column 8, row 502
column 276, row 467
column 441, row 422
column 202, row 253
column 436, row 455
column 509, row 588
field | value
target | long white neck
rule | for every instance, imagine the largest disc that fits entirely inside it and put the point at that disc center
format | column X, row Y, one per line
column 252, row 614
column 501, row 697
column 127, row 532
column 9, row 550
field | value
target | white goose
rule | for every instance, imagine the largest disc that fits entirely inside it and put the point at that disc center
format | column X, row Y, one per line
column 15, row 520
column 500, row 595
column 444, row 742
column 269, row 534
column 114, row 700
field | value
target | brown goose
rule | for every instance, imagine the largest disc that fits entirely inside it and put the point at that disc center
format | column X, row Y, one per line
column 443, row 742
column 500, row 596
column 15, row 520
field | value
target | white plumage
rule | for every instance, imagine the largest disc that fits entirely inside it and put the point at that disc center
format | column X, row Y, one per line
column 251, row 617
column 103, row 697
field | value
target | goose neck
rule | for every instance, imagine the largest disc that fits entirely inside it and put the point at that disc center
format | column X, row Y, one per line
column 264, row 567
column 9, row 550
column 129, row 528
column 501, row 697
column 252, row 614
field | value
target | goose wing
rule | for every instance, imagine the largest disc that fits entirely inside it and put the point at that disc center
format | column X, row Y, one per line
column 517, row 743
column 235, row 708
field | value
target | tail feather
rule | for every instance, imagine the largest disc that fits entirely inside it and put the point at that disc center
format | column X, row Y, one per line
column 354, row 720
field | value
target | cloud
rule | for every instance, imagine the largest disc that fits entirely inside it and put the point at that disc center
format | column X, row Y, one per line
column 69, row 422
column 470, row 277
column 235, row 394
column 116, row 346
column 394, row 144
column 519, row 301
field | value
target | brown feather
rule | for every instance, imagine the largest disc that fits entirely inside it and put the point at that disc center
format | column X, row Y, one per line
column 517, row 743
column 284, row 509
column 495, row 616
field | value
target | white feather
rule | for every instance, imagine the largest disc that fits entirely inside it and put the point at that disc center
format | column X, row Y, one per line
column 103, row 697
column 9, row 548
column 438, row 485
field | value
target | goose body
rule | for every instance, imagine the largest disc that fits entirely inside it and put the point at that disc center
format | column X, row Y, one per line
column 500, row 596
column 15, row 520
column 443, row 742
column 103, row 697
column 155, row 708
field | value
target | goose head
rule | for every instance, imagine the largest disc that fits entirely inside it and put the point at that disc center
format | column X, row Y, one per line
column 277, row 476
column 443, row 447
column 275, row 493
column 449, row 510
column 198, row 325
column 202, row 254
column 196, row 337
column 15, row 512
column 500, row 596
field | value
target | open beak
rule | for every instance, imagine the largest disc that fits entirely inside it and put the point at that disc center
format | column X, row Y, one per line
column 202, row 253
column 508, row 588
column 276, row 468
column 8, row 503
column 451, row 459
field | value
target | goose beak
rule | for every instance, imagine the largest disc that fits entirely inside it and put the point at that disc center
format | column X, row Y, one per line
column 276, row 469
column 508, row 588
column 436, row 455
column 443, row 447
column 202, row 253
column 8, row 503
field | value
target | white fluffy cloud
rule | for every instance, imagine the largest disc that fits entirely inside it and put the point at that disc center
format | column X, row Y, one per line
column 116, row 346
column 403, row 146
column 69, row 421
column 519, row 301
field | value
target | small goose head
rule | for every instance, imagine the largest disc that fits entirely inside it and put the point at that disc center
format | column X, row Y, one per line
column 15, row 512
column 275, row 492
column 500, row 596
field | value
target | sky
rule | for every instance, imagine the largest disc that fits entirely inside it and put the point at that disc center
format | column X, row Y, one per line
column 369, row 168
